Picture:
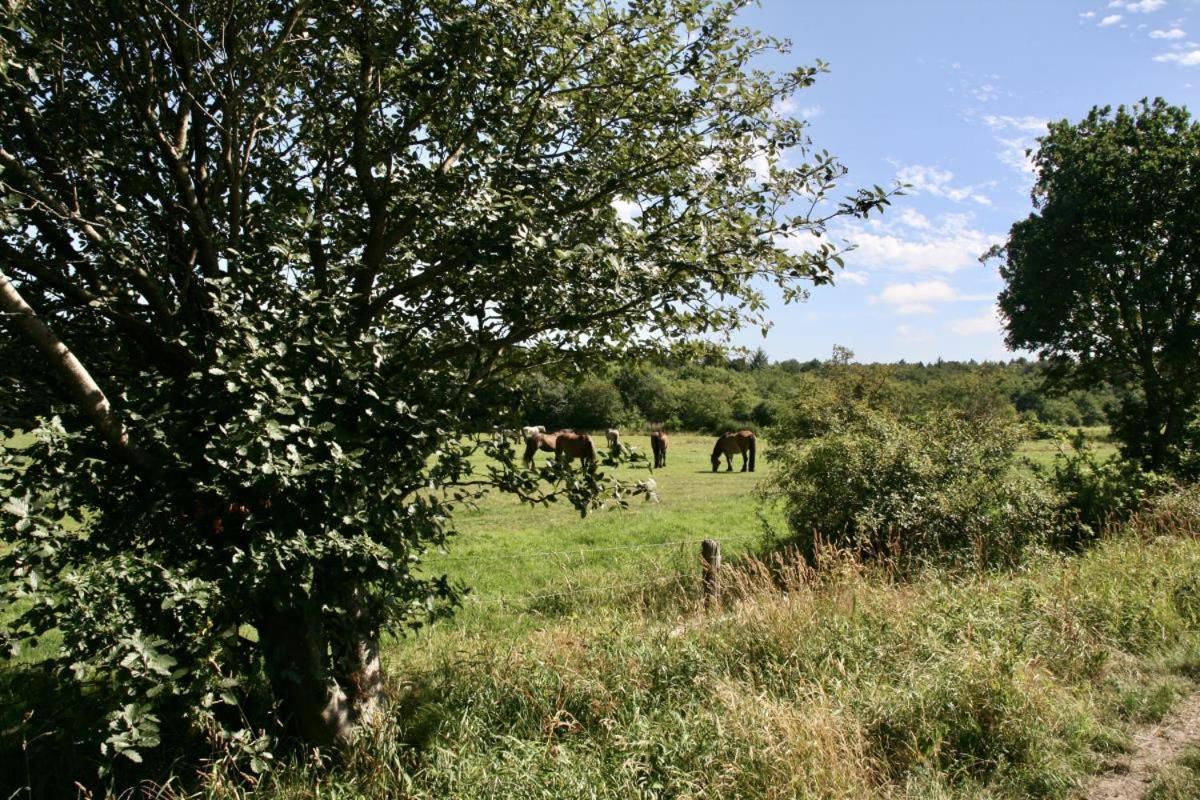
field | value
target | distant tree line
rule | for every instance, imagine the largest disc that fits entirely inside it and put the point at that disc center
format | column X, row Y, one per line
column 716, row 392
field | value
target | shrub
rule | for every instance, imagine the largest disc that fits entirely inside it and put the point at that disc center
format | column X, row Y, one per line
column 935, row 488
column 1093, row 493
column 703, row 406
column 595, row 403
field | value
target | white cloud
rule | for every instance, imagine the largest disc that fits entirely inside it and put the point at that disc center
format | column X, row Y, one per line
column 1173, row 33
column 627, row 211
column 1015, row 154
column 938, row 182
column 1111, row 19
column 1187, row 58
column 915, row 219
column 915, row 298
column 850, row 276
column 1140, row 6
column 1028, row 124
column 1087, row 15
column 788, row 107
column 987, row 323
column 918, row 298
column 945, row 246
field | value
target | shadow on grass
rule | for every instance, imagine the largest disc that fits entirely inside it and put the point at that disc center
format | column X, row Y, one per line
column 48, row 739
column 51, row 731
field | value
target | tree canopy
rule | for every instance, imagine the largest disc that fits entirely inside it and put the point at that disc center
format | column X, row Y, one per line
column 1103, row 278
column 261, row 256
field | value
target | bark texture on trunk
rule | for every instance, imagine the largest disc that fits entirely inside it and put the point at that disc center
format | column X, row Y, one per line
column 327, row 690
column 297, row 660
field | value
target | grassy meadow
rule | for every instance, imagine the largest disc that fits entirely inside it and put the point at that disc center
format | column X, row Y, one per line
column 845, row 684
column 506, row 551
column 584, row 664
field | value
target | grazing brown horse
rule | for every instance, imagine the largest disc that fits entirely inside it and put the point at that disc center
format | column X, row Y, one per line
column 570, row 446
column 538, row 441
column 734, row 442
column 658, row 445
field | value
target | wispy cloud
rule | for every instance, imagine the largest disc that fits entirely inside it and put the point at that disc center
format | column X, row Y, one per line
column 906, row 333
column 989, row 322
column 1028, row 124
column 1170, row 33
column 946, row 245
column 939, row 183
column 1184, row 58
column 1017, row 154
column 1111, row 19
column 1138, row 6
column 788, row 107
column 1013, row 150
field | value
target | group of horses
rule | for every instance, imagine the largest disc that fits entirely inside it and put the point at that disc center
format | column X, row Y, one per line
column 568, row 445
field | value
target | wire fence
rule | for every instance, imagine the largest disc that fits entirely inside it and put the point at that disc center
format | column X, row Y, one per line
column 518, row 602
column 585, row 550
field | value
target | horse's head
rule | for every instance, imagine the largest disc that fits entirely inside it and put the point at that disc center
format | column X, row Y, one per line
column 716, row 461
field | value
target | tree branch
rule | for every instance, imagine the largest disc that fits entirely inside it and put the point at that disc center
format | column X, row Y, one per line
column 87, row 393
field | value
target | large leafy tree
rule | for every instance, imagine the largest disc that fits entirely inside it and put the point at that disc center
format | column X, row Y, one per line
column 260, row 257
column 1103, row 278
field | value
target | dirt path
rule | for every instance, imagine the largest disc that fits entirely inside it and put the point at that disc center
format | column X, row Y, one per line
column 1154, row 747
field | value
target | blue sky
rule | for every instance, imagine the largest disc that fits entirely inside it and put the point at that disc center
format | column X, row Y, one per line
column 946, row 95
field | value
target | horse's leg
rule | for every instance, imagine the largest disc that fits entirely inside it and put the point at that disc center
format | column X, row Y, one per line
column 745, row 459
column 729, row 462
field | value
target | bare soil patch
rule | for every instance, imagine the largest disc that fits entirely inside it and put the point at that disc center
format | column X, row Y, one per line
column 1154, row 747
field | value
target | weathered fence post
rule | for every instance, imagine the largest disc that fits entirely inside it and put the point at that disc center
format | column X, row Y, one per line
column 710, row 558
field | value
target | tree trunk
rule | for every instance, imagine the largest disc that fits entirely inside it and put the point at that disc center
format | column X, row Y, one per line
column 364, row 679
column 1154, row 421
column 297, row 661
column 326, row 689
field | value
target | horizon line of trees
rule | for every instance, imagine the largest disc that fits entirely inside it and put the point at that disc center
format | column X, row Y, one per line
column 717, row 392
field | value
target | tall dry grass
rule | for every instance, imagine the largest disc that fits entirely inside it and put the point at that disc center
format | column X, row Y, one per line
column 844, row 682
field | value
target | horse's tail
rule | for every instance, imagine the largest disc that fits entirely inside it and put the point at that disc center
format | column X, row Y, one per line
column 752, row 448
column 531, row 448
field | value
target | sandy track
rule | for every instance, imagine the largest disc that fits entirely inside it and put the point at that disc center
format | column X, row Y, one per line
column 1154, row 747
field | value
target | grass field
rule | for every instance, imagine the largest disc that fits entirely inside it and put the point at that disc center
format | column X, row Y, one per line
column 507, row 552
column 583, row 664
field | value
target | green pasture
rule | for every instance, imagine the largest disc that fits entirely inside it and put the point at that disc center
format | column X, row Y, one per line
column 521, row 566
column 533, row 562
column 1043, row 451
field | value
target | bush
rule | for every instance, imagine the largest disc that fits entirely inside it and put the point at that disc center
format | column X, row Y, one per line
column 595, row 403
column 934, row 488
column 703, row 406
column 1094, row 493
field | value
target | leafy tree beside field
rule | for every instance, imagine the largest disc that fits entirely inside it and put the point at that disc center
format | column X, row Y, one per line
column 1103, row 278
column 260, row 258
